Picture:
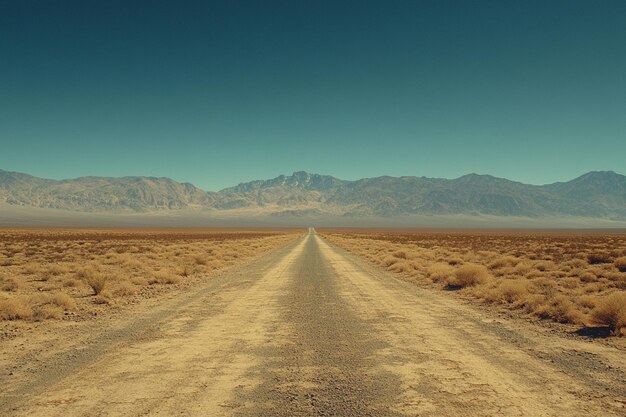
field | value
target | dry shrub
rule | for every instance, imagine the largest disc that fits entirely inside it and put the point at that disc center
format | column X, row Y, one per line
column 620, row 263
column 523, row 268
column 124, row 289
column 545, row 285
column 135, row 264
column 104, row 298
column 587, row 276
column 504, row 261
column 15, row 308
column 200, row 259
column 31, row 268
column 389, row 260
column 611, row 312
column 62, row 300
column 614, row 276
column 47, row 311
column 576, row 263
column 598, row 258
column 400, row 254
column 71, row 283
column 439, row 272
column 569, row 283
column 164, row 277
column 185, row 271
column 9, row 285
column 455, row 261
column 559, row 308
column 86, row 272
column 139, row 281
column 97, row 282
column 507, row 291
column 216, row 264
column 544, row 266
column 469, row 275
column 57, row 269
column 587, row 301
column 402, row 266
column 93, row 277
column 513, row 290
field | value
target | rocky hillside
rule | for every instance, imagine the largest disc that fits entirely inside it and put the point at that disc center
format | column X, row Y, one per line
column 596, row 194
column 100, row 193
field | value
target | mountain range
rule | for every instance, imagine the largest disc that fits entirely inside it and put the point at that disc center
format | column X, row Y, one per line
column 598, row 194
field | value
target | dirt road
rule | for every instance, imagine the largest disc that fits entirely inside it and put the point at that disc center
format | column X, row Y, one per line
column 309, row 330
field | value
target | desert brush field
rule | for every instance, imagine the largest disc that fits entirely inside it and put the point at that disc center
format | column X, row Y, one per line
column 572, row 277
column 249, row 323
column 75, row 274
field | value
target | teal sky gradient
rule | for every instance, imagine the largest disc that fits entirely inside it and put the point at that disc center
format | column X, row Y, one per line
column 216, row 93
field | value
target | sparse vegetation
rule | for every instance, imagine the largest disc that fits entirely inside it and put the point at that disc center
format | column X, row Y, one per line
column 577, row 278
column 36, row 306
column 45, row 274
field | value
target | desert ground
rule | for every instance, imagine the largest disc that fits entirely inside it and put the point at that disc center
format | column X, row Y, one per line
column 53, row 273
column 566, row 276
column 332, row 323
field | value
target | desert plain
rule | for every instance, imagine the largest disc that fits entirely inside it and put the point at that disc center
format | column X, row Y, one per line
column 306, row 322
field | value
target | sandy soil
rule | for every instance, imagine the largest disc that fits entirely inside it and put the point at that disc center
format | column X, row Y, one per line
column 309, row 330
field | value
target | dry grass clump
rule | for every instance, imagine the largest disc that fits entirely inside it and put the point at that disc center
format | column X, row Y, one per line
column 611, row 312
column 561, row 276
column 561, row 309
column 124, row 289
column 402, row 266
column 440, row 272
column 401, row 254
column 164, row 277
column 469, row 275
column 620, row 263
column 15, row 308
column 9, row 285
column 390, row 260
column 455, row 261
column 587, row 301
column 96, row 281
column 586, row 276
column 185, row 271
column 505, row 261
column 200, row 259
column 598, row 258
column 523, row 268
column 512, row 290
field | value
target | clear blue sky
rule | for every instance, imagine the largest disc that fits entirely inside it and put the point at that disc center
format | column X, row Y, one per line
column 215, row 93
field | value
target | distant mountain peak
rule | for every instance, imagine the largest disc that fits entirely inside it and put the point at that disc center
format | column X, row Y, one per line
column 600, row 174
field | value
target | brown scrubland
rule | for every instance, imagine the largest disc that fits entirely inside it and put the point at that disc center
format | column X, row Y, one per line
column 577, row 278
column 75, row 274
